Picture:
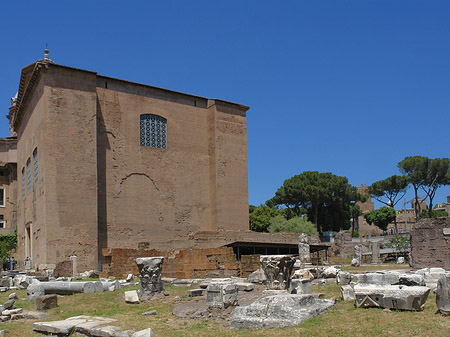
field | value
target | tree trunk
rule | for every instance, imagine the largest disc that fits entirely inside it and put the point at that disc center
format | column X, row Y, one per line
column 416, row 203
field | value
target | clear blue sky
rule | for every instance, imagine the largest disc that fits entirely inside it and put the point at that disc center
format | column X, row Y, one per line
column 348, row 87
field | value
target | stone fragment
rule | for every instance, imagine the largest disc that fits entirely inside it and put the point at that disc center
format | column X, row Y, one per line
column 303, row 249
column 132, row 297
column 257, row 276
column 81, row 324
column 347, row 292
column 303, row 274
column 35, row 315
column 195, row 292
column 300, row 286
column 13, row 296
column 330, row 272
column 130, row 278
column 144, row 333
column 148, row 313
column 391, row 296
column 17, row 316
column 443, row 294
column 182, row 282
column 9, row 304
column 4, row 318
column 46, row 302
column 221, row 295
column 3, row 289
column 107, row 331
column 400, row 260
column 278, row 270
column 343, row 277
column 411, row 280
column 278, row 311
column 245, row 286
column 150, row 276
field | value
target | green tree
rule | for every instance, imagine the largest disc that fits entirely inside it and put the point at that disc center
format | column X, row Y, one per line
column 325, row 196
column 296, row 224
column 390, row 191
column 380, row 217
column 416, row 169
column 259, row 217
column 438, row 175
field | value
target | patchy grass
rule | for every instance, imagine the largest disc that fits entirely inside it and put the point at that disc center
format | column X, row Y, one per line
column 343, row 320
column 373, row 267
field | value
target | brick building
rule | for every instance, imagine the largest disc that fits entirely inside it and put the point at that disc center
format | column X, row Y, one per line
column 107, row 163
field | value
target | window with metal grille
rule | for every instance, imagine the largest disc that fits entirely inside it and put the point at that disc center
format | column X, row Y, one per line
column 35, row 166
column 153, row 131
column 23, row 183
column 29, row 175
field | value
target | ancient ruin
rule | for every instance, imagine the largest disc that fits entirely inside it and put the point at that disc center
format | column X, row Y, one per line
column 150, row 276
column 278, row 270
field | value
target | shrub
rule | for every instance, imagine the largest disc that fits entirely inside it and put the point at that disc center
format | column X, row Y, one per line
column 294, row 225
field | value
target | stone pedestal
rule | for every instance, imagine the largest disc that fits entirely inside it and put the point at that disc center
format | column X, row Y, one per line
column 150, row 276
column 221, row 295
column 303, row 249
column 375, row 252
column 300, row 286
column 73, row 258
column 278, row 270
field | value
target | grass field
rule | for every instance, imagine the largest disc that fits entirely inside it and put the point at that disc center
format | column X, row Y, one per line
column 343, row 320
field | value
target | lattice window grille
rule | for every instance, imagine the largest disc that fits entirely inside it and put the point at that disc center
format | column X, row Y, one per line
column 23, row 184
column 29, row 175
column 35, row 166
column 153, row 131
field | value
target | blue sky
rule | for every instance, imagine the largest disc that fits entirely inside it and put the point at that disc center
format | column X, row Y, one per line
column 348, row 87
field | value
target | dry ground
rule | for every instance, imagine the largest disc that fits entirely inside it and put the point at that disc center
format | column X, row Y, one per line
column 343, row 320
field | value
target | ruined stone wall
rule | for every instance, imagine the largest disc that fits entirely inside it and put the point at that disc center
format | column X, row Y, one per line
column 430, row 243
column 186, row 263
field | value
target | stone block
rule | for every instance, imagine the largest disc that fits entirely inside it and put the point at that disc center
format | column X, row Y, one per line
column 245, row 286
column 391, row 296
column 46, row 302
column 144, row 333
column 221, row 295
column 330, row 272
column 443, row 294
column 195, row 292
column 300, row 286
column 279, row 311
column 257, row 276
column 347, row 292
column 132, row 297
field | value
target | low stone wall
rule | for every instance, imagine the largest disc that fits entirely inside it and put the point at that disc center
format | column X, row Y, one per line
column 430, row 243
column 183, row 263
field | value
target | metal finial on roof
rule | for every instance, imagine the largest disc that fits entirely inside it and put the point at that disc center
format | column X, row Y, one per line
column 46, row 52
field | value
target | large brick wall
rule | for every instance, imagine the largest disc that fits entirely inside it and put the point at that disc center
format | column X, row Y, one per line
column 430, row 245
column 185, row 263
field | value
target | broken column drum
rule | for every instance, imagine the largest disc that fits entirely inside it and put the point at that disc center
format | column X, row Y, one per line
column 278, row 270
column 150, row 269
column 303, row 248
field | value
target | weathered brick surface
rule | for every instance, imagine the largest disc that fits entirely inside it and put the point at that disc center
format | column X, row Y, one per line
column 46, row 302
column 186, row 263
column 63, row 269
column 429, row 246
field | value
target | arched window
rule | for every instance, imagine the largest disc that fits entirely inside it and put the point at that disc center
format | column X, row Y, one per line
column 153, row 131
